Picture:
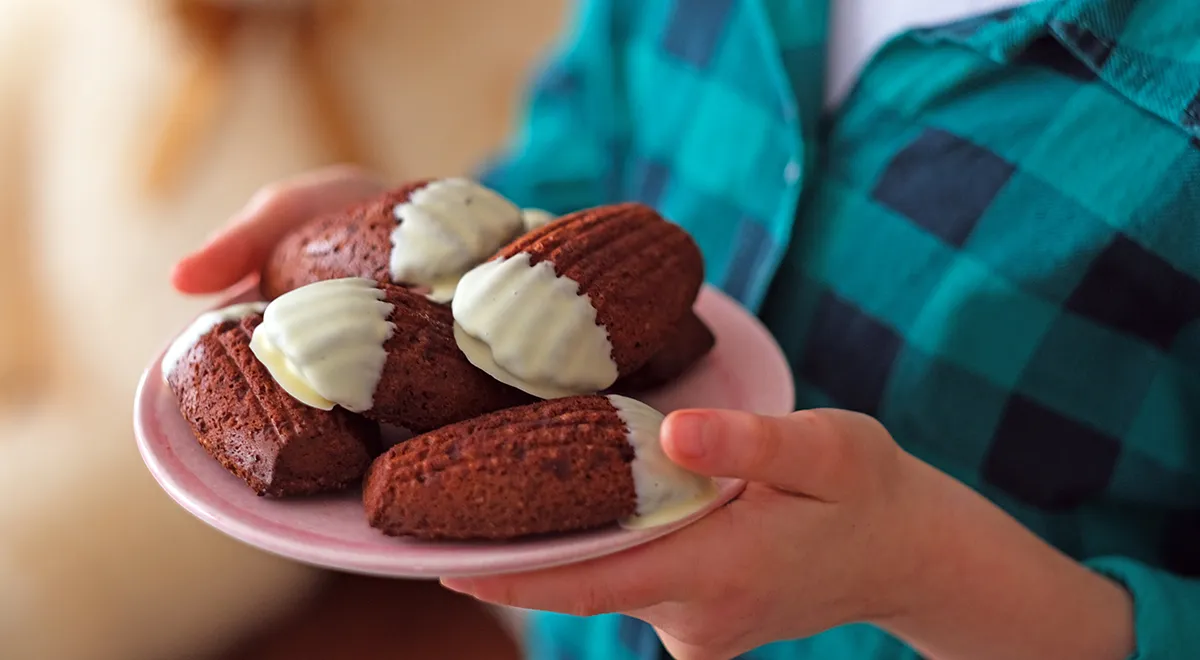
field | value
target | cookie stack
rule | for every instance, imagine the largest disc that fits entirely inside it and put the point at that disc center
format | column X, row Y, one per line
column 509, row 343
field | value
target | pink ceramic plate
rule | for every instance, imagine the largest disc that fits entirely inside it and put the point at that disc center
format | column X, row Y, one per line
column 746, row 370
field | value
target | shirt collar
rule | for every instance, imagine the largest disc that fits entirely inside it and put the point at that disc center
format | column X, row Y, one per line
column 1146, row 50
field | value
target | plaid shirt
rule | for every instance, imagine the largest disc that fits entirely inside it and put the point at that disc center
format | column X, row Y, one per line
column 992, row 246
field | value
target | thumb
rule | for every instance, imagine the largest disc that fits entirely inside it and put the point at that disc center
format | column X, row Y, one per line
column 816, row 453
column 241, row 248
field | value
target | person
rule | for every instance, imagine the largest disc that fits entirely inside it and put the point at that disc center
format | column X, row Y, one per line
column 981, row 260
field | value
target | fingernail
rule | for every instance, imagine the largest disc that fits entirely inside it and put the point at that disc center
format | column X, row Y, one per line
column 692, row 433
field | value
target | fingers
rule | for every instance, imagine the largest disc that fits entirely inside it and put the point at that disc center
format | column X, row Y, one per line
column 241, row 248
column 636, row 579
column 816, row 453
column 601, row 586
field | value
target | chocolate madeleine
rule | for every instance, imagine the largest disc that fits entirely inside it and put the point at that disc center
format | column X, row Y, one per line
column 580, row 302
column 376, row 349
column 562, row 465
column 244, row 420
column 424, row 234
column 690, row 343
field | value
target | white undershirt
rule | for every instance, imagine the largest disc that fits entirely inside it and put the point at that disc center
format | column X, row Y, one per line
column 859, row 27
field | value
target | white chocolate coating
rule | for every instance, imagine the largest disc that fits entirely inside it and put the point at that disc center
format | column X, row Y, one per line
column 203, row 323
column 446, row 228
column 666, row 492
column 535, row 218
column 323, row 343
column 531, row 329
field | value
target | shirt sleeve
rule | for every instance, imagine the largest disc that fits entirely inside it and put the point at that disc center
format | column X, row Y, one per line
column 1166, row 608
column 563, row 153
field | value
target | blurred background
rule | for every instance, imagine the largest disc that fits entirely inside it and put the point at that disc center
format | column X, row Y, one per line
column 129, row 131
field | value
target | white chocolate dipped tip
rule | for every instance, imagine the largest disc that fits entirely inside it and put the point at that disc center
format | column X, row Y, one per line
column 323, row 342
column 199, row 327
column 666, row 492
column 530, row 328
column 445, row 229
column 536, row 218
column 442, row 290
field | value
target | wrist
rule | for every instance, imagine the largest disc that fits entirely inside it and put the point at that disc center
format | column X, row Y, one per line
column 985, row 587
column 916, row 572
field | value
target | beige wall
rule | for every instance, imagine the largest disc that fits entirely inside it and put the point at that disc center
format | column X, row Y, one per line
column 431, row 84
column 94, row 557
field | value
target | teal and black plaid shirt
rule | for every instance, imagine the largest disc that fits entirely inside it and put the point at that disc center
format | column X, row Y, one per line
column 993, row 246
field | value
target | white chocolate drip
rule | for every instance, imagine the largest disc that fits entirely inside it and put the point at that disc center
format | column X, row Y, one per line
column 446, row 228
column 536, row 218
column 666, row 492
column 531, row 329
column 200, row 327
column 323, row 343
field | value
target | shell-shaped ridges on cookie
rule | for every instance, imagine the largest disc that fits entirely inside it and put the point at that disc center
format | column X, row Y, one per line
column 256, row 431
column 642, row 272
column 596, row 246
column 354, row 242
column 201, row 326
column 554, row 466
column 550, row 422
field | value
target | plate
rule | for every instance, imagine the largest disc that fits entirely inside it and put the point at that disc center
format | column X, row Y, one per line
column 746, row 370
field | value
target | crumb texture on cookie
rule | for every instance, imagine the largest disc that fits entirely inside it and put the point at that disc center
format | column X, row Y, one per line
column 323, row 342
column 243, row 419
column 201, row 326
column 532, row 329
column 691, row 341
column 353, row 242
column 666, row 492
column 427, row 382
column 444, row 229
column 548, row 467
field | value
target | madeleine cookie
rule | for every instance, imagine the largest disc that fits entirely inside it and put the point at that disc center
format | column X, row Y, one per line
column 244, row 420
column 554, row 466
column 572, row 306
column 691, row 341
column 424, row 235
column 376, row 349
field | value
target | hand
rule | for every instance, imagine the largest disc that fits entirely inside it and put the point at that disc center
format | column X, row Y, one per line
column 836, row 526
column 241, row 247
column 827, row 532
